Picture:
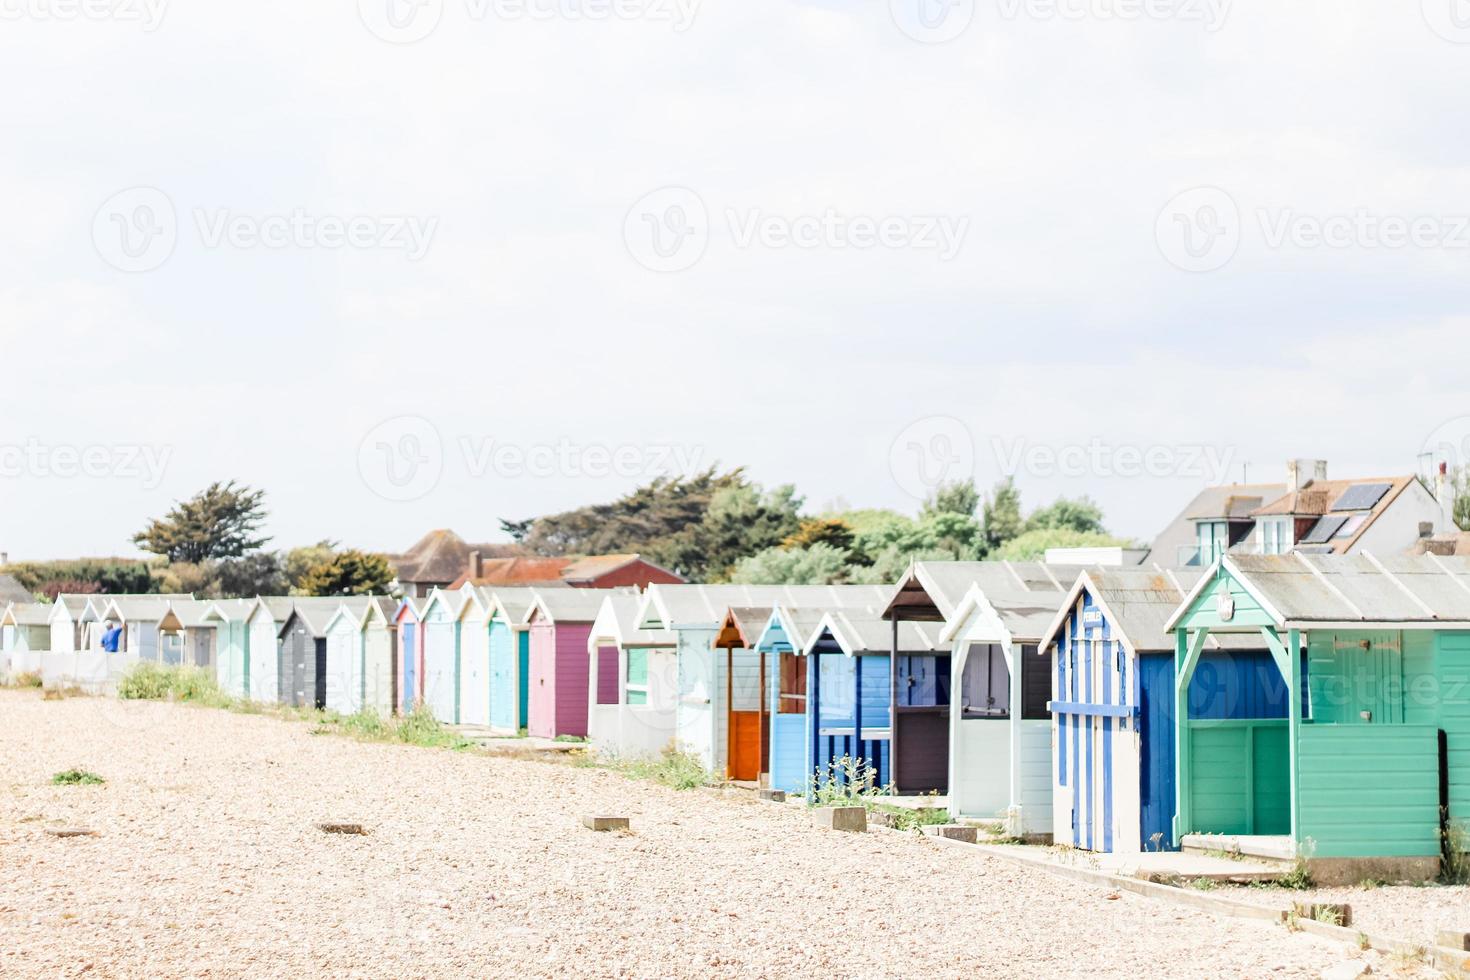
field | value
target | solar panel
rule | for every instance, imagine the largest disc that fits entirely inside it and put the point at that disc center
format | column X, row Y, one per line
column 1362, row 496
column 1324, row 529
column 1351, row 525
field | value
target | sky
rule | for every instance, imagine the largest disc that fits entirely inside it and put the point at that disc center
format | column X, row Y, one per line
column 407, row 264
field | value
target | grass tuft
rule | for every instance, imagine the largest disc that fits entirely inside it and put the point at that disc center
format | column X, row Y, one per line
column 76, row 777
column 155, row 682
column 674, row 769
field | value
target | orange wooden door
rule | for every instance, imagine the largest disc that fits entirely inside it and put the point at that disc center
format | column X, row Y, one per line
column 745, row 745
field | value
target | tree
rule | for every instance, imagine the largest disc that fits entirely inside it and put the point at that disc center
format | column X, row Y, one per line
column 821, row 530
column 1032, row 545
column 301, row 561
column 260, row 573
column 517, row 530
column 348, row 573
column 741, row 520
column 1002, row 514
column 105, row 575
column 218, row 522
column 816, row 564
column 1075, row 515
column 952, row 498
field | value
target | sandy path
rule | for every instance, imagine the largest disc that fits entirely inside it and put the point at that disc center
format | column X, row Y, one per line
column 209, row 865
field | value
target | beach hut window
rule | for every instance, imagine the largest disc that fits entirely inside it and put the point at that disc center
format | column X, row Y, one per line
column 793, row 685
column 985, row 688
column 637, row 689
column 1035, row 683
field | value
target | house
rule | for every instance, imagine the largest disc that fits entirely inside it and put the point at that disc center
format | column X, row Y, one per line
column 230, row 619
column 438, row 653
column 781, row 642
column 931, row 592
column 747, row 731
column 410, row 655
column 1000, row 751
column 1373, row 653
column 1112, row 705
column 439, row 559
column 25, row 627
column 854, row 694
column 264, row 623
column 65, row 621
column 302, row 675
column 559, row 622
column 713, row 680
column 632, row 683
column 1310, row 513
column 12, row 591
column 591, row 572
column 360, row 657
column 166, row 629
column 510, row 657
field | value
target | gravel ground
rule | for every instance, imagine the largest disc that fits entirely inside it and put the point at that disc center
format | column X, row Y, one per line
column 1403, row 912
column 208, row 863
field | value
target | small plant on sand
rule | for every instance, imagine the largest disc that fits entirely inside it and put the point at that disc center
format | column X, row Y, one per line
column 1363, row 941
column 29, row 678
column 1327, row 915
column 76, row 777
column 673, row 768
column 1299, row 878
column 154, row 682
column 1204, row 884
column 844, row 782
column 1455, row 856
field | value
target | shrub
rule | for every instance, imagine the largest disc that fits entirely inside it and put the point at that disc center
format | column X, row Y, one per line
column 844, row 782
column 675, row 769
column 1455, row 868
column 155, row 682
column 29, row 678
column 77, row 777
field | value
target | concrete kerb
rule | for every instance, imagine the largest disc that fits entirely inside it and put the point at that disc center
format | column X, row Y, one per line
column 1439, row 957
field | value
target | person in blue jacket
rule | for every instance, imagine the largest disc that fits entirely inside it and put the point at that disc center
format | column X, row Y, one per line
column 111, row 637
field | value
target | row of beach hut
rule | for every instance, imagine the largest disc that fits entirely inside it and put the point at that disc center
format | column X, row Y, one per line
column 1292, row 705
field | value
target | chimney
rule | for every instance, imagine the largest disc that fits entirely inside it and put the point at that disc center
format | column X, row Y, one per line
column 4, row 558
column 1444, row 492
column 476, row 564
column 1302, row 472
column 1426, row 529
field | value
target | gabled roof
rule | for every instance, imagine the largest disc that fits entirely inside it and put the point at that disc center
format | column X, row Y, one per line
column 563, row 606
column 12, row 591
column 1330, row 501
column 593, row 567
column 317, row 612
column 377, row 609
column 742, row 626
column 790, row 627
column 1024, row 615
column 229, row 610
column 277, row 607
column 1138, row 603
column 510, row 604
column 857, row 633
column 149, row 608
column 441, row 556
column 26, row 614
column 617, row 623
column 1219, row 502
column 1306, row 591
column 452, row 599
column 931, row 591
column 704, row 606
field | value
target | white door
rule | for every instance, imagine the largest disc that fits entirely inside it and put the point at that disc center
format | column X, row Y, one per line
column 439, row 679
column 343, row 676
column 264, row 660
column 474, row 674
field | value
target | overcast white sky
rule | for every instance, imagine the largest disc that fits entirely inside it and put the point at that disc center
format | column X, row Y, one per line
column 800, row 237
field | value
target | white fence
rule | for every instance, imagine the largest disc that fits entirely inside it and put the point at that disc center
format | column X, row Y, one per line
column 93, row 671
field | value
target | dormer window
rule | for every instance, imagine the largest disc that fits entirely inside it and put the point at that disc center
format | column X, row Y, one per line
column 1275, row 535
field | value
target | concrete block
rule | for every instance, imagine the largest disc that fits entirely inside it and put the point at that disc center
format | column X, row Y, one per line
column 773, row 795
column 853, row 819
column 955, row 831
column 1453, row 939
column 339, row 827
column 603, row 824
column 71, row 832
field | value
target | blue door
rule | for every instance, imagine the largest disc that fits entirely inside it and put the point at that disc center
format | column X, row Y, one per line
column 408, row 664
